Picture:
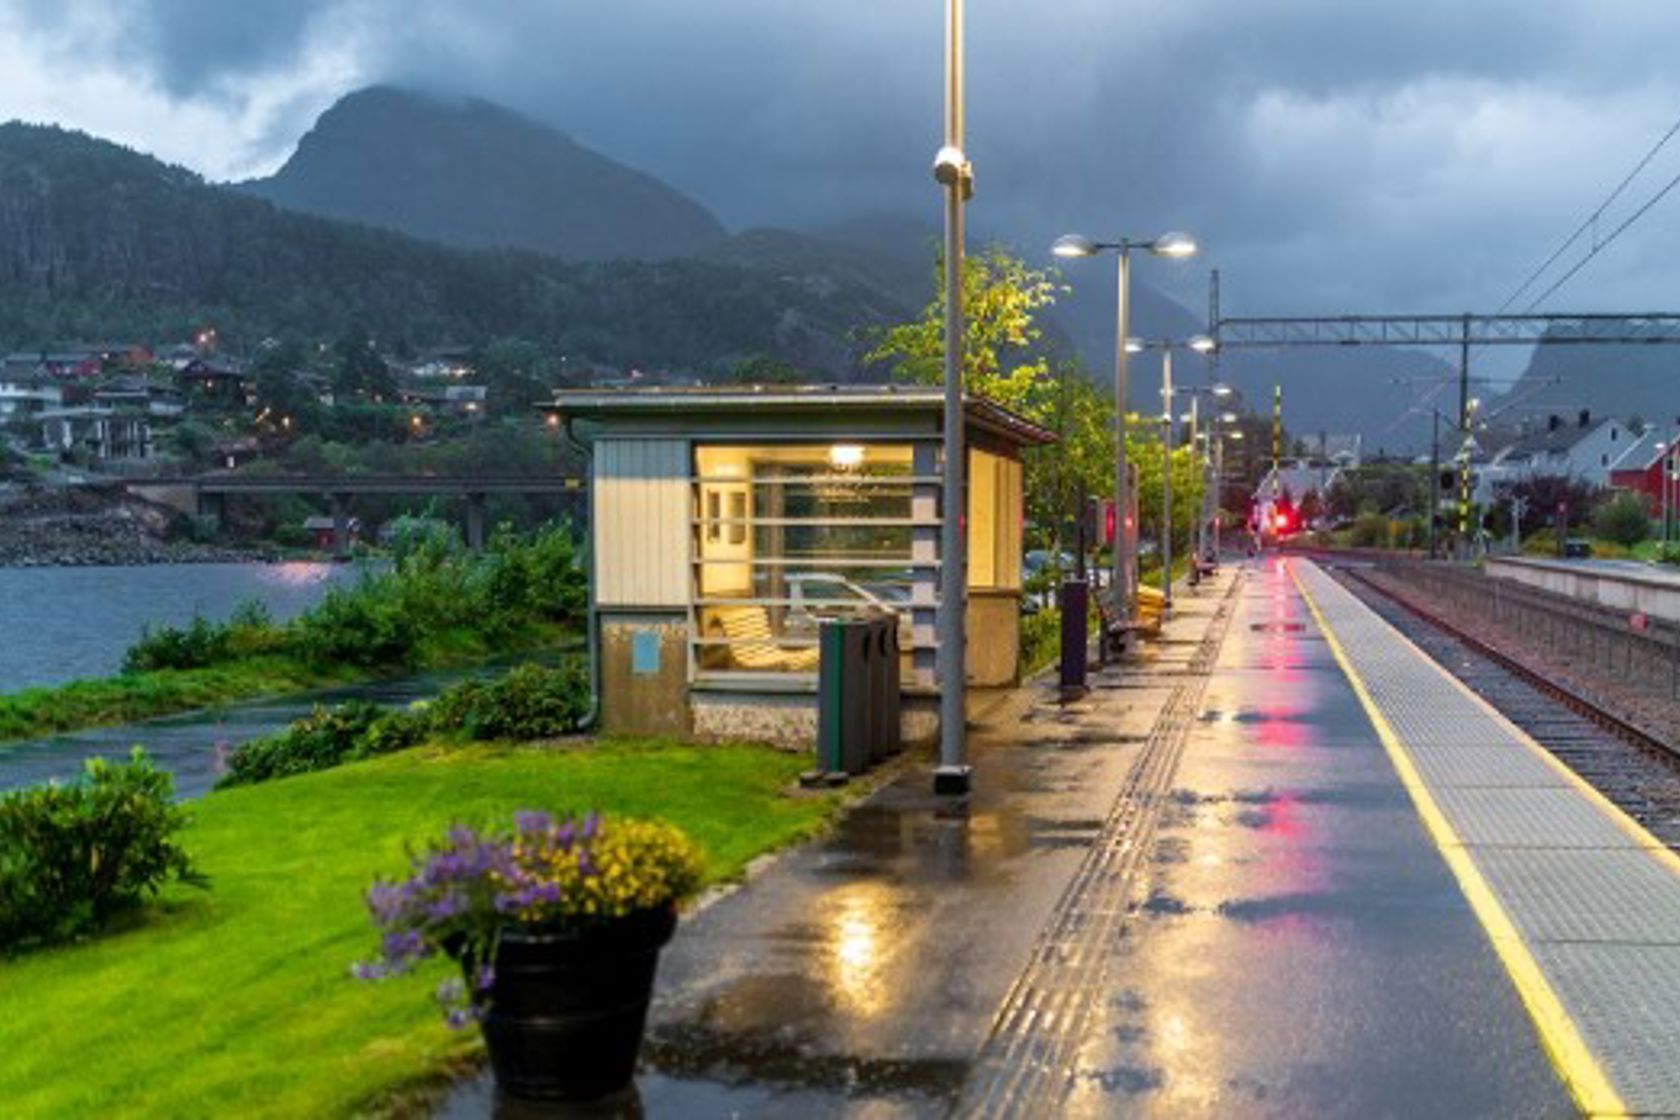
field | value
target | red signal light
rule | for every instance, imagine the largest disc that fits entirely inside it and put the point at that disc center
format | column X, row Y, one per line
column 1281, row 521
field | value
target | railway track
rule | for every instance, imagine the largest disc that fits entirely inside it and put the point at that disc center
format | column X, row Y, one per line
column 1634, row 766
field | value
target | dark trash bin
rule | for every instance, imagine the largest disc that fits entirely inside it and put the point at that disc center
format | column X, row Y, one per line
column 844, row 683
column 885, row 715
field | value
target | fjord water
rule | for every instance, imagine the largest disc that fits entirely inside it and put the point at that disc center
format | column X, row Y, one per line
column 62, row 624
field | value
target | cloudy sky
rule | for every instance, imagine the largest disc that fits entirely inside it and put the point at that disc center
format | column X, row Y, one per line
column 1334, row 155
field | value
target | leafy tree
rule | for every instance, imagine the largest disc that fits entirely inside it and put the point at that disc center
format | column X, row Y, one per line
column 361, row 371
column 517, row 374
column 761, row 369
column 1545, row 494
column 193, row 442
column 278, row 388
column 1002, row 359
column 1081, row 462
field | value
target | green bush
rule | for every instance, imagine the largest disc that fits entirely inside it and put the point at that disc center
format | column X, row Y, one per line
column 74, row 856
column 1041, row 640
column 325, row 738
column 531, row 702
column 195, row 646
column 436, row 597
column 1622, row 519
column 1370, row 530
column 365, row 626
column 250, row 632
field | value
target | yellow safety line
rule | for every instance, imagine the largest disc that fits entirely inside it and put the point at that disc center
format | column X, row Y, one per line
column 1574, row 1062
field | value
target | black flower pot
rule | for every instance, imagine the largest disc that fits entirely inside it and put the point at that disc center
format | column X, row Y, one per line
column 567, row 1010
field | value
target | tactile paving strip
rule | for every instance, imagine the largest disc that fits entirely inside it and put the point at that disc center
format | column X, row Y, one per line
column 1025, row 1067
column 1598, row 910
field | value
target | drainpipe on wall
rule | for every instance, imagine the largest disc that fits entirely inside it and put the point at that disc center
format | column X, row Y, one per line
column 591, row 621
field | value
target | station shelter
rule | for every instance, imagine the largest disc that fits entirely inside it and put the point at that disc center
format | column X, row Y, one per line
column 727, row 524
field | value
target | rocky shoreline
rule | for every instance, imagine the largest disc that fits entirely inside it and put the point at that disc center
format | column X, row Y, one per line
column 84, row 527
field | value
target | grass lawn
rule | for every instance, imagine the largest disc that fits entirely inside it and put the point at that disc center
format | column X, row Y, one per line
column 238, row 1001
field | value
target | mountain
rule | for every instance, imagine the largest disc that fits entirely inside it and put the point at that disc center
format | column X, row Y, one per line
column 100, row 241
column 478, row 176
column 1625, row 381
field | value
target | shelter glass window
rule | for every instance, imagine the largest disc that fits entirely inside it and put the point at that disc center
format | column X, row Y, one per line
column 788, row 534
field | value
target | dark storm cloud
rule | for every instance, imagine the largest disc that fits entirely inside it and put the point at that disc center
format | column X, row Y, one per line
column 1332, row 155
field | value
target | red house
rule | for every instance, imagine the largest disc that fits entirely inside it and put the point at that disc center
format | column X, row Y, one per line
column 1640, row 469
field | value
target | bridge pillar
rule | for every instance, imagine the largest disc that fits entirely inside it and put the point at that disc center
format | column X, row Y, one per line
column 341, row 526
column 210, row 506
column 475, row 522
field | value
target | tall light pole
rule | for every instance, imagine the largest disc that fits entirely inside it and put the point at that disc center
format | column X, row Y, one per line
column 1173, row 245
column 1201, row 344
column 1226, row 420
column 1166, row 478
column 953, row 171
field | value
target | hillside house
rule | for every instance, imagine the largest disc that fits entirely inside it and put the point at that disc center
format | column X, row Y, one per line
column 103, row 433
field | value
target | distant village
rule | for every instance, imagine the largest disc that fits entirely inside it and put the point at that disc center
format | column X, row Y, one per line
column 110, row 407
column 1590, row 452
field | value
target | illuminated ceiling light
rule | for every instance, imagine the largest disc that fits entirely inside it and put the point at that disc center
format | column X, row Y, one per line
column 1202, row 344
column 846, row 456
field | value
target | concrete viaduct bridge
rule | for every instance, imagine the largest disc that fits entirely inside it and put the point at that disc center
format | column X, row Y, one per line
column 203, row 495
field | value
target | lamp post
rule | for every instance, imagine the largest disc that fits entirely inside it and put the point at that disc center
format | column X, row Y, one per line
column 1202, row 442
column 1201, row 344
column 1172, row 245
column 1226, row 420
column 952, row 170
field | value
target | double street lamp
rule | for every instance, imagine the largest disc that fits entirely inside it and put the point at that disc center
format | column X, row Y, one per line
column 1200, row 344
column 1172, row 245
column 1202, row 443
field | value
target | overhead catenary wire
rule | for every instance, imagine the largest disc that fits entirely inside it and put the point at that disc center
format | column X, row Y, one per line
column 1600, row 246
column 1590, row 222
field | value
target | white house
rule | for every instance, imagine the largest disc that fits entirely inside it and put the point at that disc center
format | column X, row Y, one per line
column 1575, row 448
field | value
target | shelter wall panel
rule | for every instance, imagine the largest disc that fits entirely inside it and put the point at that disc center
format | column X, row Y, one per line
column 641, row 522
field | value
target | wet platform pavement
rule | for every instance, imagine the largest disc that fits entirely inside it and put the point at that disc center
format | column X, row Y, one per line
column 1201, row 890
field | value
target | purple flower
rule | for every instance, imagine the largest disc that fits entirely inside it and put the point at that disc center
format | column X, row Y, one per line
column 367, row 970
column 591, row 825
column 530, row 820
column 586, row 863
column 446, row 907
column 486, row 978
column 458, row 1017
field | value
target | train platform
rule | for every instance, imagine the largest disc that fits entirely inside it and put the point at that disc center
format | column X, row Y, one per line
column 1279, row 864
column 1580, row 902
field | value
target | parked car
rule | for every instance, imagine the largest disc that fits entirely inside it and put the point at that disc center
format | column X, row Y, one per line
column 814, row 596
column 1577, row 548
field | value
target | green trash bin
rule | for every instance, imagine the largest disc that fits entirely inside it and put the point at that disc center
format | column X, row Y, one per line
column 844, row 684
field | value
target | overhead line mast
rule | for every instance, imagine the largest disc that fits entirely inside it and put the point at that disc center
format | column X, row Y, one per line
column 1464, row 331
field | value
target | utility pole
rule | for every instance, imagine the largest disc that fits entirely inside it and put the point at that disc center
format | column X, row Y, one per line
column 1277, row 439
column 1464, row 440
column 1434, row 478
